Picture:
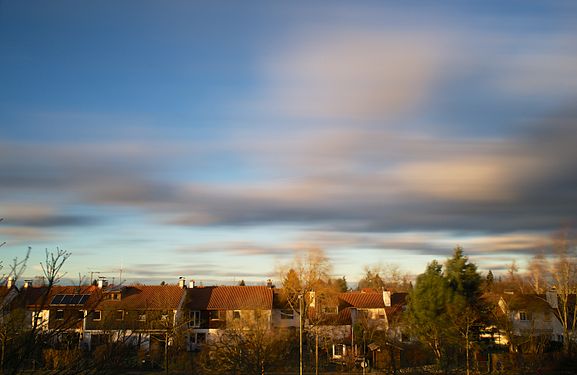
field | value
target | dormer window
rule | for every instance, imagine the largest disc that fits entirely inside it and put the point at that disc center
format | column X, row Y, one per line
column 115, row 296
column 523, row 316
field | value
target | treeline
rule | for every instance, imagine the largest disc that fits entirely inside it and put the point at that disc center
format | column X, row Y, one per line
column 451, row 318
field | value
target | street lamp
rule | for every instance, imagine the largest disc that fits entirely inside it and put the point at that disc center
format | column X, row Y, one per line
column 300, row 334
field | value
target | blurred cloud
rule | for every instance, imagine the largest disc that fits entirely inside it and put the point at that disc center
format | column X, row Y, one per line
column 353, row 73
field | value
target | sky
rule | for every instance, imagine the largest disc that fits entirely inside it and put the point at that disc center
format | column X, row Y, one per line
column 218, row 140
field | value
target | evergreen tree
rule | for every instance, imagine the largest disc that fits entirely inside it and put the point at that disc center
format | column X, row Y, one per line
column 426, row 310
column 445, row 307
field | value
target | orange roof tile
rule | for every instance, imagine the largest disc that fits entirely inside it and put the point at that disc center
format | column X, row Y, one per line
column 363, row 300
column 145, row 297
column 241, row 298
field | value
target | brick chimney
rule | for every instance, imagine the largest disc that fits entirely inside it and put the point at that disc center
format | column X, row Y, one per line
column 182, row 282
column 10, row 282
column 387, row 298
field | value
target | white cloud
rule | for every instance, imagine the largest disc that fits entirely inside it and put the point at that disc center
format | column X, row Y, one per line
column 354, row 74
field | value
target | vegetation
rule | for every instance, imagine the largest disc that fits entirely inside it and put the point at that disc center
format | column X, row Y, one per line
column 454, row 316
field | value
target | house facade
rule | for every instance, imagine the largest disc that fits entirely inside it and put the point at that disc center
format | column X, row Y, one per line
column 530, row 319
column 211, row 310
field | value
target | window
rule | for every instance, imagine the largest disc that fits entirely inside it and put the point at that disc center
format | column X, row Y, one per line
column 236, row 314
column 80, row 314
column 524, row 316
column 59, row 315
column 194, row 318
column 141, row 316
column 287, row 314
column 330, row 309
column 198, row 338
column 339, row 351
column 164, row 316
column 96, row 315
column 119, row 315
column 218, row 315
column 115, row 296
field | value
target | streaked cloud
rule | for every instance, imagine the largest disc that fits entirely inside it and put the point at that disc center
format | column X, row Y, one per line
column 354, row 74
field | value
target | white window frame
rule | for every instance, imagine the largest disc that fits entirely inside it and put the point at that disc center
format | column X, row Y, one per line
column 194, row 319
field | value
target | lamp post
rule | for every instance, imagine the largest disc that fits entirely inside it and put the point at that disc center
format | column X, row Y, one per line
column 300, row 334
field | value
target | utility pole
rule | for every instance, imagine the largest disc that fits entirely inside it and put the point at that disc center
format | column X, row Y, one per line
column 300, row 334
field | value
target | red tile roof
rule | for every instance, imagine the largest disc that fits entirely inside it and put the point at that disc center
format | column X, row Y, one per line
column 241, row 298
column 363, row 300
column 145, row 297
column 230, row 298
column 43, row 296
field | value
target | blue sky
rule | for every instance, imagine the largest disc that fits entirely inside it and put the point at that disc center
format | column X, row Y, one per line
column 216, row 140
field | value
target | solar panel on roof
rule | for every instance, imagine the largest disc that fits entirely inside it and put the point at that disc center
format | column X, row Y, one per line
column 75, row 299
column 57, row 299
column 67, row 299
column 70, row 299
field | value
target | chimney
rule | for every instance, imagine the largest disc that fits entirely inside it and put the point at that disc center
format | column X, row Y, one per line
column 191, row 284
column 182, row 282
column 387, row 298
column 102, row 283
column 551, row 296
column 10, row 282
column 269, row 284
column 27, row 284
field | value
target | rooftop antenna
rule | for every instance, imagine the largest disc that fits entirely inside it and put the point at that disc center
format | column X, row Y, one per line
column 92, row 275
column 120, row 281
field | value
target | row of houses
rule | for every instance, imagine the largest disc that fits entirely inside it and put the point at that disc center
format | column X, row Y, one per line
column 145, row 315
column 148, row 315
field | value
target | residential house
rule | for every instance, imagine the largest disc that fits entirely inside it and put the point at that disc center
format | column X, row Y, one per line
column 210, row 310
column 59, row 311
column 374, row 319
column 529, row 322
column 139, row 315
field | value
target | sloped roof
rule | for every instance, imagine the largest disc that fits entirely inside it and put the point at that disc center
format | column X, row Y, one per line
column 146, row 297
column 343, row 318
column 531, row 302
column 241, row 298
column 363, row 300
column 197, row 298
column 43, row 296
column 398, row 303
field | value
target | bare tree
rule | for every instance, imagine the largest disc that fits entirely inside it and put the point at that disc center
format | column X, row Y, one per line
column 253, row 350
column 565, row 283
column 32, row 340
column 538, row 273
